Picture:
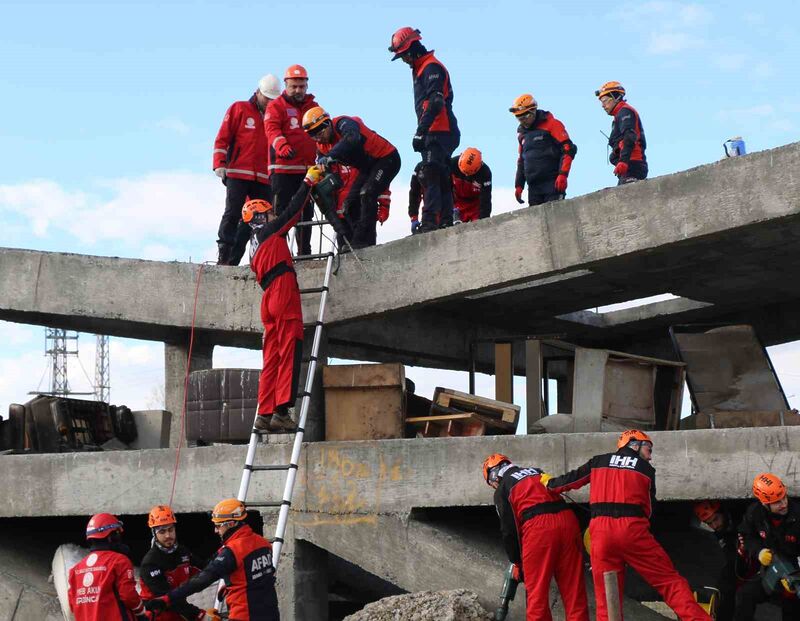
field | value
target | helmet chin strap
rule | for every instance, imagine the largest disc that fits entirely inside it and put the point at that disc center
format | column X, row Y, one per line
column 165, row 549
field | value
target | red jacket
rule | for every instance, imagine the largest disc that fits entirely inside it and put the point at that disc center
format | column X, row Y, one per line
column 283, row 122
column 241, row 146
column 161, row 572
column 253, row 577
column 102, row 588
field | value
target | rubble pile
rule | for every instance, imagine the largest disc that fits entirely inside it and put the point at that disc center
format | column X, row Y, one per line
column 457, row 605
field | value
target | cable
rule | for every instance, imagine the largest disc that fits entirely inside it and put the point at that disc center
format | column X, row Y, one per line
column 186, row 385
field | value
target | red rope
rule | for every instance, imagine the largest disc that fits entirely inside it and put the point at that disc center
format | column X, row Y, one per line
column 186, row 387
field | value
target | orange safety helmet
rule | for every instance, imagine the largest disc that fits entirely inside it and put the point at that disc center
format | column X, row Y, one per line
column 632, row 435
column 402, row 40
column 297, row 72
column 768, row 488
column 254, row 206
column 101, row 525
column 228, row 510
column 494, row 460
column 610, row 88
column 523, row 105
column 314, row 117
column 160, row 515
column 470, row 161
column 706, row 509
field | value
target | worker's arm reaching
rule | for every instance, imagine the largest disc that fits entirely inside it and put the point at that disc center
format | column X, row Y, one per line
column 350, row 140
column 155, row 580
column 508, row 525
column 283, row 223
column 223, row 564
column 573, row 479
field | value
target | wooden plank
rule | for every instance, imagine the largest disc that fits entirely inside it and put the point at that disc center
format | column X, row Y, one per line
column 455, row 400
column 533, row 381
column 463, row 417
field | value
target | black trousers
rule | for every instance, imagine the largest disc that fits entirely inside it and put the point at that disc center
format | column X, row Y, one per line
column 233, row 234
column 284, row 187
column 361, row 204
column 543, row 191
column 752, row 593
column 636, row 172
column 437, row 185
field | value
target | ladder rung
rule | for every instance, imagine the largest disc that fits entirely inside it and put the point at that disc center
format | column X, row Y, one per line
column 313, row 290
column 313, row 324
column 309, row 359
column 312, row 257
column 270, row 468
column 265, row 504
column 258, row 432
column 312, row 223
column 304, row 393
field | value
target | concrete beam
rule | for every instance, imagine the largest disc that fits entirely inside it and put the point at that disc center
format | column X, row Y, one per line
column 389, row 476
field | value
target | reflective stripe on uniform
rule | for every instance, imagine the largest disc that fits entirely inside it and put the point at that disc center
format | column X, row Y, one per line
column 265, row 176
column 223, row 151
column 239, row 171
column 285, row 167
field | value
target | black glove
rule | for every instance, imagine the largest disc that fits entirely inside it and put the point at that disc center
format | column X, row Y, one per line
column 418, row 142
column 158, row 604
column 325, row 161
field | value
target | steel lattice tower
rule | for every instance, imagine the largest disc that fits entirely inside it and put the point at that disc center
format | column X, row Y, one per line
column 57, row 347
column 102, row 369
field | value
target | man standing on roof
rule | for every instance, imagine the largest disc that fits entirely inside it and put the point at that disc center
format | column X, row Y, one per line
column 545, row 153
column 101, row 586
column 346, row 140
column 241, row 152
column 627, row 139
column 770, row 528
column 167, row 565
column 541, row 537
column 244, row 562
column 437, row 134
column 291, row 150
column 621, row 498
column 281, row 310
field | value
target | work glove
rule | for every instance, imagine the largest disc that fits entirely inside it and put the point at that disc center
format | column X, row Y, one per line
column 456, row 215
column 518, row 194
column 220, row 172
column 157, row 604
column 561, row 184
column 212, row 614
column 765, row 556
column 383, row 214
column 414, row 225
column 284, row 149
column 621, row 169
column 325, row 161
column 544, row 478
column 516, row 573
column 418, row 142
column 313, row 175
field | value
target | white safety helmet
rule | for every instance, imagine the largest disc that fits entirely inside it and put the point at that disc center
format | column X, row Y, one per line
column 269, row 86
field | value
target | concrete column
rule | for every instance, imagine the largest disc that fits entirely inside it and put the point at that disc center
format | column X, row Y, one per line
column 175, row 357
column 504, row 372
column 315, row 423
column 302, row 579
column 533, row 381
column 590, row 378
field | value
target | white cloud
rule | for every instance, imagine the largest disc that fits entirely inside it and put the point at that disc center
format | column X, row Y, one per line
column 158, row 252
column 762, row 70
column 759, row 111
column 12, row 334
column 694, row 15
column 668, row 27
column 671, row 42
column 174, row 125
column 730, row 61
column 50, row 203
column 784, row 125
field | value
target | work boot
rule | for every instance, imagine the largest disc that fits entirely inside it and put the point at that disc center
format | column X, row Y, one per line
column 425, row 227
column 282, row 423
column 262, row 422
column 223, row 253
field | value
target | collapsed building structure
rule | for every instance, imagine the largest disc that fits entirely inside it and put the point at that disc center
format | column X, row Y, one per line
column 722, row 238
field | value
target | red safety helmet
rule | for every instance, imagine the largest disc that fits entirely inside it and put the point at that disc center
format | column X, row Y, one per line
column 632, row 435
column 768, row 488
column 706, row 509
column 102, row 525
column 296, row 71
column 254, row 206
column 402, row 40
column 470, row 161
column 494, row 460
column 160, row 515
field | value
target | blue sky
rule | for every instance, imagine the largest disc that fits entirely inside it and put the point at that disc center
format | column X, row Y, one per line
column 110, row 109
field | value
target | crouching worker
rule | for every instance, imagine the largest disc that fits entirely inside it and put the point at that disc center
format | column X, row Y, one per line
column 168, row 565
column 281, row 311
column 101, row 586
column 244, row 562
column 541, row 536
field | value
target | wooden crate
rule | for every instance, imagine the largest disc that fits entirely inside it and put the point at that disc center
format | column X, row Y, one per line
column 489, row 408
column 364, row 401
column 455, row 425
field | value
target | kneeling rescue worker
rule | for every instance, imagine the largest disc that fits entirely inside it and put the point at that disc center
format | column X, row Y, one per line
column 101, row 586
column 770, row 529
column 627, row 139
column 281, row 310
column 472, row 186
column 540, row 535
column 245, row 563
column 167, row 565
column 623, row 490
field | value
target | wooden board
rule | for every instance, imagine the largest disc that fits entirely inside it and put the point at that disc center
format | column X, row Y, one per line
column 448, row 398
column 458, row 424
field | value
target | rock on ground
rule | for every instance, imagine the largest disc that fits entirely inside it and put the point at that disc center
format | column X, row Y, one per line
column 457, row 605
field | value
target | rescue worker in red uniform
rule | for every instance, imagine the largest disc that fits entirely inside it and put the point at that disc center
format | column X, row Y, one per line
column 623, row 490
column 101, row 586
column 770, row 527
column 240, row 161
column 281, row 310
column 167, row 565
column 627, row 139
column 541, row 536
column 472, row 186
column 244, row 562
column 346, row 140
column 545, row 153
column 437, row 134
column 291, row 150
column 348, row 176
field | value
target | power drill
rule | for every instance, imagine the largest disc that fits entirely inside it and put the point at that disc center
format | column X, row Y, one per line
column 507, row 594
